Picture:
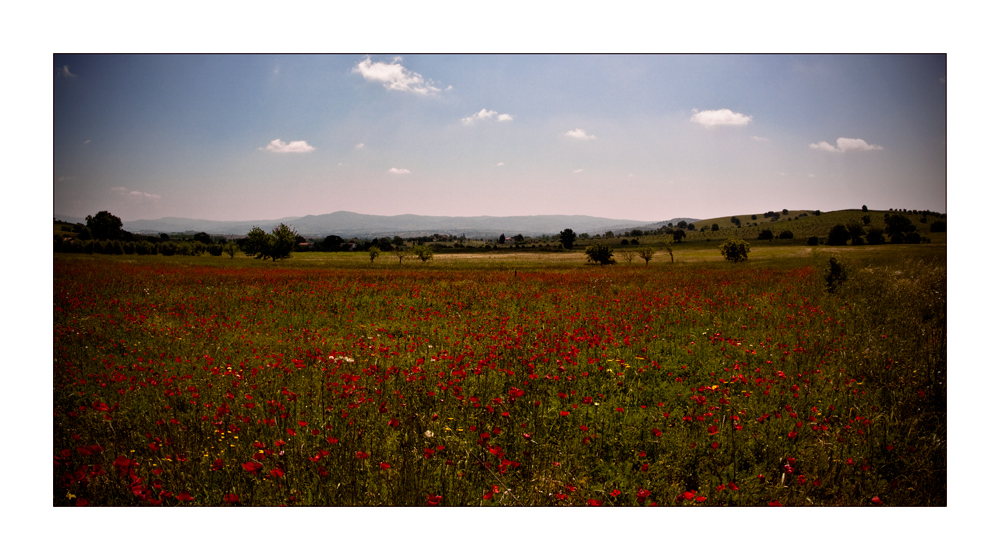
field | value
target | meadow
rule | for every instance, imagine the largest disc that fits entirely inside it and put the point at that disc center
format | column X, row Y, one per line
column 502, row 380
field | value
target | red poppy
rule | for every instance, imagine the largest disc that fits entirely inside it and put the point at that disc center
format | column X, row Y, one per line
column 642, row 494
column 595, row 503
column 583, row 428
column 433, row 500
column 563, row 413
column 775, row 503
column 290, row 431
column 217, row 464
column 360, row 455
column 253, row 467
column 232, row 499
column 700, row 499
column 615, row 493
column 277, row 472
column 876, row 501
column 690, row 494
column 184, row 496
column 383, row 466
column 644, row 467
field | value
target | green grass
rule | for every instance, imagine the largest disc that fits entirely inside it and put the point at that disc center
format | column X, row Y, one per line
column 350, row 383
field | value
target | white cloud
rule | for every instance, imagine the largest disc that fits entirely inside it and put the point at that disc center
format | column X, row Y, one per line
column 135, row 194
column 577, row 171
column 393, row 76
column 758, row 138
column 720, row 117
column 579, row 134
column 86, row 141
column 359, row 145
column 485, row 114
column 395, row 171
column 293, row 147
column 64, row 72
column 845, row 145
column 500, row 164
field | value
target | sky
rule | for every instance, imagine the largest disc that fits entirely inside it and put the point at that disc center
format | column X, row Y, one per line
column 644, row 137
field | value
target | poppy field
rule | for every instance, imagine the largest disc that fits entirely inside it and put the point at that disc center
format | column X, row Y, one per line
column 179, row 382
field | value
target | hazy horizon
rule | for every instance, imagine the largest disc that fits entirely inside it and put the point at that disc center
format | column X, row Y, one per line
column 647, row 138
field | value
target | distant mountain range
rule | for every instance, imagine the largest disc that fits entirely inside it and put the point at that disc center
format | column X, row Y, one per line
column 351, row 224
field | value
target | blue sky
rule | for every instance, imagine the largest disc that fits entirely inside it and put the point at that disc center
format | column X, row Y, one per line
column 645, row 137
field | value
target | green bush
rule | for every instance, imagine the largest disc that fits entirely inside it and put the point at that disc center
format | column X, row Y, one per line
column 839, row 235
column 812, row 241
column 601, row 254
column 735, row 250
column 836, row 274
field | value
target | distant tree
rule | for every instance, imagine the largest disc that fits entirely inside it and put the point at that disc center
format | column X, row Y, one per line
column 857, row 233
column 787, row 234
column 838, row 235
column 519, row 239
column 816, row 213
column 84, row 235
column 105, row 225
column 229, row 249
column 164, row 237
column 690, row 227
column 866, row 220
column 646, row 254
column 600, row 253
column 896, row 223
column 401, row 252
column 785, row 211
column 715, row 227
column 585, row 235
column 938, row 226
column 735, row 250
column 627, row 254
column 875, row 237
column 502, row 239
column 682, row 224
column 373, row 253
column 397, row 241
column 624, row 241
column 609, row 234
column 636, row 232
column 423, row 252
column 753, row 217
column 864, row 207
column 203, row 237
column 567, row 237
column 812, row 241
column 678, row 235
column 765, row 235
column 275, row 245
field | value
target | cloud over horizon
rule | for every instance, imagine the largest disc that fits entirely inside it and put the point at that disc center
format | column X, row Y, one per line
column 394, row 76
column 486, row 115
column 579, row 134
column 396, row 171
column 293, row 147
column 845, row 145
column 64, row 72
column 720, row 117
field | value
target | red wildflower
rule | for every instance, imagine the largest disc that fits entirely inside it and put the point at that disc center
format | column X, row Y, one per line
column 690, row 494
column 700, row 499
column 217, row 464
column 595, row 503
column 290, row 431
column 232, row 499
column 433, row 500
column 252, row 467
column 791, row 435
column 775, row 503
column 583, row 428
column 644, row 467
column 360, row 455
column 383, row 466
column 876, row 501
column 615, row 493
column 642, row 494
column 184, row 496
column 563, row 413
column 277, row 472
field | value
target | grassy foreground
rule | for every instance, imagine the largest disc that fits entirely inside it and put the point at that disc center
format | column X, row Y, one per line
column 204, row 381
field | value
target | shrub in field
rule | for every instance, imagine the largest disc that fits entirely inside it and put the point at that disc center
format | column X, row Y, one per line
column 373, row 253
column 600, row 254
column 735, row 250
column 836, row 275
column 215, row 250
column 168, row 249
column 913, row 237
column 857, row 233
column 938, row 226
column 839, row 235
column 765, row 235
column 786, row 234
column 875, row 237
column 813, row 240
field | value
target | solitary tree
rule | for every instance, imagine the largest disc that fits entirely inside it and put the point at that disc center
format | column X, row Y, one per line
column 567, row 237
column 735, row 250
column 275, row 245
column 628, row 254
column 646, row 254
column 765, row 235
column 401, row 252
column 838, row 235
column 373, row 253
column 104, row 225
column 678, row 235
column 229, row 249
column 423, row 252
column 601, row 254
column 203, row 237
